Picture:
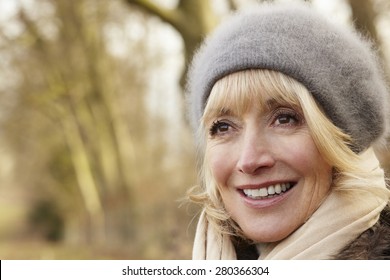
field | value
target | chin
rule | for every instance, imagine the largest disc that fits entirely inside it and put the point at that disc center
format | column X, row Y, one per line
column 265, row 236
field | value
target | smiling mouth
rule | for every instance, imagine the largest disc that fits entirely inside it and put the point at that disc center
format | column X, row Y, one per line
column 270, row 191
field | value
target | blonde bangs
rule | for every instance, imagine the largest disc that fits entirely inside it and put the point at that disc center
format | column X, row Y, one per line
column 239, row 91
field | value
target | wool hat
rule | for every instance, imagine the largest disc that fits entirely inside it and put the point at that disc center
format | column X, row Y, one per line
column 336, row 65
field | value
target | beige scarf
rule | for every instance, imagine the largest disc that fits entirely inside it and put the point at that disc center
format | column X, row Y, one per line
column 339, row 220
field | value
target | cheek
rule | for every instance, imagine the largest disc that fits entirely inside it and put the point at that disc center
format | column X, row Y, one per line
column 221, row 164
column 302, row 155
column 310, row 163
column 306, row 155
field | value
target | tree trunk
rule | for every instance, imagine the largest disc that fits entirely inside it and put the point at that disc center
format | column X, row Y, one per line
column 193, row 20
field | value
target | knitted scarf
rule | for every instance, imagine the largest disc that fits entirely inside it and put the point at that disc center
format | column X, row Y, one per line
column 340, row 219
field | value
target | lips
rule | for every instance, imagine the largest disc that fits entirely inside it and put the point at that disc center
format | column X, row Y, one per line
column 267, row 192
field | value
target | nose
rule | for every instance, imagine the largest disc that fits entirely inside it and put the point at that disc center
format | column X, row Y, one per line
column 255, row 154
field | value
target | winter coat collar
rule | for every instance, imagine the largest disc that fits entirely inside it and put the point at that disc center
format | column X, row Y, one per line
column 373, row 244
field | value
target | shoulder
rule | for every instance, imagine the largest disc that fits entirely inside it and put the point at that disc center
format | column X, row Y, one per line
column 373, row 244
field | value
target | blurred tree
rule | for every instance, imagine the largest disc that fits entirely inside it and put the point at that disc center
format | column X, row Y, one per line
column 46, row 219
column 193, row 19
column 364, row 17
column 80, row 113
column 82, row 135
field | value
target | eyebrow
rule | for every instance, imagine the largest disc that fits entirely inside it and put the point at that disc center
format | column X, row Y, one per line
column 224, row 111
column 218, row 112
column 272, row 103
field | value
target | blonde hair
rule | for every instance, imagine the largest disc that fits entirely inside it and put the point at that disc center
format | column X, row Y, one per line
column 238, row 91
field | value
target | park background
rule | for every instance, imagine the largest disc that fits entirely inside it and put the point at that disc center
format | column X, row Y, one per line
column 96, row 153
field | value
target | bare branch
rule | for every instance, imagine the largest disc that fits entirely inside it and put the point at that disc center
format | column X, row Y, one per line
column 167, row 15
column 31, row 28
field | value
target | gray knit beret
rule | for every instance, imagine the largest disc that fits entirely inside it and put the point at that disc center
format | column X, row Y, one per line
column 334, row 63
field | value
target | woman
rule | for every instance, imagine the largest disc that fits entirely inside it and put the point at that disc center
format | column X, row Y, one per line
column 288, row 108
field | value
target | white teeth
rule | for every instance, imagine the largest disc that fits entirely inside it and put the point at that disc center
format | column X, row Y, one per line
column 267, row 192
column 262, row 192
column 271, row 190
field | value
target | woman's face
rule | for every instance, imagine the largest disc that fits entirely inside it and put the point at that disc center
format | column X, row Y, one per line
column 270, row 174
